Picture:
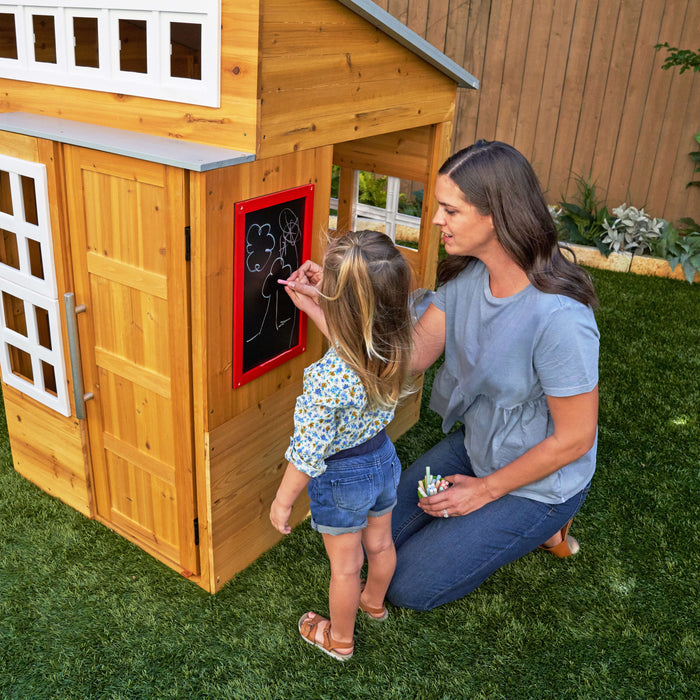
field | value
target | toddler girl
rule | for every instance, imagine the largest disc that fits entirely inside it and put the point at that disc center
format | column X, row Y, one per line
column 339, row 448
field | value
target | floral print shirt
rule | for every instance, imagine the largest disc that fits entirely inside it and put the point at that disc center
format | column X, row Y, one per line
column 332, row 414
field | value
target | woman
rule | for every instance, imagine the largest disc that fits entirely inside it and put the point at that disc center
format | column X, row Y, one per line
column 515, row 321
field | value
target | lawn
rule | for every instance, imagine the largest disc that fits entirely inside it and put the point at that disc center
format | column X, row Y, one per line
column 85, row 614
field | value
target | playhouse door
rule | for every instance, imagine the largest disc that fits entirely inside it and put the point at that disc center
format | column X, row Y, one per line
column 127, row 220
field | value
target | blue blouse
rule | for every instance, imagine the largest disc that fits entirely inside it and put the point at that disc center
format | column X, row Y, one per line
column 503, row 357
column 332, row 414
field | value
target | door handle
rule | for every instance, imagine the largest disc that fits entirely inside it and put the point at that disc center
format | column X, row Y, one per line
column 74, row 349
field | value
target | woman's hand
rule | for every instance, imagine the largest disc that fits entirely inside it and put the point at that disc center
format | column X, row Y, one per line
column 466, row 495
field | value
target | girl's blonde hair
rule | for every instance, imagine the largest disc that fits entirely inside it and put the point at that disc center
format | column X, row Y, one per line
column 365, row 300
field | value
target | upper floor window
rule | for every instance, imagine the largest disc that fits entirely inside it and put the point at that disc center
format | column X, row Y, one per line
column 168, row 50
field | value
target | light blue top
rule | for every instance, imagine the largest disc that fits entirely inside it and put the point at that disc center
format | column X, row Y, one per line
column 503, row 356
column 332, row 414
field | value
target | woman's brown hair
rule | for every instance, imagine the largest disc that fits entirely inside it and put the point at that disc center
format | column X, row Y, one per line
column 498, row 181
column 365, row 300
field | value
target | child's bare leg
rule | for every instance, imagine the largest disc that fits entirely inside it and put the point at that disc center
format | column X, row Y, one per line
column 346, row 557
column 381, row 559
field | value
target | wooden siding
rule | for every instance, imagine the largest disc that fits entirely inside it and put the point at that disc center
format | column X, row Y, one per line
column 327, row 75
column 577, row 86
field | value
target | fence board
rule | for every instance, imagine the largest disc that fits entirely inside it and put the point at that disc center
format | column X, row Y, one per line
column 535, row 62
column 572, row 98
column 513, row 71
column 637, row 91
column 436, row 28
column 464, row 131
column 417, row 18
column 552, row 89
column 577, row 86
column 674, row 128
column 497, row 41
column 618, row 79
column 657, row 101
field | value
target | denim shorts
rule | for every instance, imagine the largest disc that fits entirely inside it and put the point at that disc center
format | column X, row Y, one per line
column 353, row 488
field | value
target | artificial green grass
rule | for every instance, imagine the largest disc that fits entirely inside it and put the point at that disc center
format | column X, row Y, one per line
column 85, row 614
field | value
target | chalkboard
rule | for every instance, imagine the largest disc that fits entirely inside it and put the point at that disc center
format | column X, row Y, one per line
column 272, row 237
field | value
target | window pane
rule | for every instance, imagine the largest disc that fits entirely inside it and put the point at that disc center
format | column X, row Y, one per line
column 5, row 193
column 132, row 51
column 29, row 196
column 8, row 36
column 186, row 50
column 43, row 328
column 8, row 249
column 15, row 319
column 21, row 363
column 49, row 378
column 44, row 38
column 86, row 42
column 36, row 266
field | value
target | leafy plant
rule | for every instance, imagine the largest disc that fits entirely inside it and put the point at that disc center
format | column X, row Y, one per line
column 695, row 155
column 583, row 221
column 680, row 246
column 684, row 58
column 633, row 230
column 372, row 189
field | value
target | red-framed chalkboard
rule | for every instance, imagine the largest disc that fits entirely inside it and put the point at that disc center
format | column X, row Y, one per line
column 272, row 237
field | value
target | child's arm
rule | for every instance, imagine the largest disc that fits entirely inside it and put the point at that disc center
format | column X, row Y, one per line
column 292, row 484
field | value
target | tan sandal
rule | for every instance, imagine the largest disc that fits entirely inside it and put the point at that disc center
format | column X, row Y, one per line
column 308, row 623
column 378, row 614
column 567, row 547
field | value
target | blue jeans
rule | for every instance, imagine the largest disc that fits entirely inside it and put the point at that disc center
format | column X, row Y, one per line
column 353, row 488
column 442, row 559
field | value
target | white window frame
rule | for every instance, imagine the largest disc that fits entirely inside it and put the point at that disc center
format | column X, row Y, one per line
column 33, row 291
column 389, row 217
column 156, row 83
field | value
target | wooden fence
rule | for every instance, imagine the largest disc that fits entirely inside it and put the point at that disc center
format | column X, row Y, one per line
column 577, row 86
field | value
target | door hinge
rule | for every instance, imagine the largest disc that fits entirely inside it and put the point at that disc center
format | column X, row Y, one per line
column 196, row 530
column 188, row 244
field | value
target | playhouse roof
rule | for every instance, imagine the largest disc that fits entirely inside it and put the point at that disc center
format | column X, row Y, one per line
column 409, row 39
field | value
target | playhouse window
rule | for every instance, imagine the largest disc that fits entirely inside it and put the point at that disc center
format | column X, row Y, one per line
column 170, row 51
column 8, row 35
column 133, row 47
column 186, row 50
column 44, row 38
column 384, row 203
column 86, row 42
column 31, row 355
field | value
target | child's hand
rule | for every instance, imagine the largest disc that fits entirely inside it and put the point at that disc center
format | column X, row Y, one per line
column 279, row 517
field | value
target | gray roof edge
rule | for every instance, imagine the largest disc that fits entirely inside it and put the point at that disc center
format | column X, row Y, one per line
column 407, row 37
column 157, row 149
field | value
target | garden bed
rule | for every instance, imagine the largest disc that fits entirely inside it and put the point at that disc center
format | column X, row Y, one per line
column 628, row 262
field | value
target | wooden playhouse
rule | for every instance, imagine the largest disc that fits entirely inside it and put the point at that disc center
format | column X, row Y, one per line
column 160, row 167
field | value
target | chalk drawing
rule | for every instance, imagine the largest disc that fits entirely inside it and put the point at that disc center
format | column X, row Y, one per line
column 276, row 255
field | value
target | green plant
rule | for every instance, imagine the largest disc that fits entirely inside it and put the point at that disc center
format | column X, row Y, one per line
column 412, row 206
column 695, row 155
column 680, row 246
column 372, row 189
column 583, row 221
column 685, row 59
